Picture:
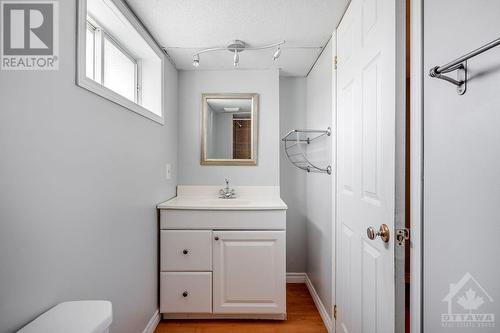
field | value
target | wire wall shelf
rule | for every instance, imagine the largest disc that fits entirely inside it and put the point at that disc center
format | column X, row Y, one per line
column 295, row 143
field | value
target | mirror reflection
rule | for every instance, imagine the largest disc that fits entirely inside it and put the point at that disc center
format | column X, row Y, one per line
column 228, row 129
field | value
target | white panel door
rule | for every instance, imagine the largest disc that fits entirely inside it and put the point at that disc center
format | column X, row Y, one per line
column 249, row 272
column 366, row 106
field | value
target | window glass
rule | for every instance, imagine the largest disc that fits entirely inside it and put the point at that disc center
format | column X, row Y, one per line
column 119, row 71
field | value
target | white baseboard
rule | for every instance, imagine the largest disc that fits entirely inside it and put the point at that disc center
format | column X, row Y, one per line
column 153, row 322
column 295, row 277
column 327, row 321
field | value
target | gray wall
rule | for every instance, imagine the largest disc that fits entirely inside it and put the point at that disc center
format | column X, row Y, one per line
column 79, row 181
column 319, row 185
column 461, row 160
column 223, row 133
column 211, row 122
column 191, row 85
column 292, row 179
column 307, row 103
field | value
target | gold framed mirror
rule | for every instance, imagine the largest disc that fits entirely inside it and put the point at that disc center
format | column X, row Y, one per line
column 229, row 129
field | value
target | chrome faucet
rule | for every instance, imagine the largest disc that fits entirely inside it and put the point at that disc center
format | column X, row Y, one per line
column 227, row 193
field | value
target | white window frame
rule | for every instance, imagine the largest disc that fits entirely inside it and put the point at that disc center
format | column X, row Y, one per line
column 93, row 30
column 94, row 85
column 100, row 36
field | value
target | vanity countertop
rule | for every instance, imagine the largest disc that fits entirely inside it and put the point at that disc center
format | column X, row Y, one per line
column 207, row 198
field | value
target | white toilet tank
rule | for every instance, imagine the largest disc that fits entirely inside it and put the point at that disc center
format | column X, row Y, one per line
column 74, row 317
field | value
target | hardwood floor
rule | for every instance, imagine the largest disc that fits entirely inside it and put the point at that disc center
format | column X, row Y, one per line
column 303, row 317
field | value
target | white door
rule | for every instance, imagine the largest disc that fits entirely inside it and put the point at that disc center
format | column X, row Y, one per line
column 249, row 272
column 366, row 106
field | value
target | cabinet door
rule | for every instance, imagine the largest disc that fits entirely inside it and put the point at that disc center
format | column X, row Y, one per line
column 249, row 272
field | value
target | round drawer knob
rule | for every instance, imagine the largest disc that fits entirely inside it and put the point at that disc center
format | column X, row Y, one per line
column 216, row 238
column 185, row 251
column 185, row 294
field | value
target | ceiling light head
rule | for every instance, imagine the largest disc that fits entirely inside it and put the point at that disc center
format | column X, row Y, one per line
column 231, row 109
column 236, row 59
column 277, row 53
column 196, row 60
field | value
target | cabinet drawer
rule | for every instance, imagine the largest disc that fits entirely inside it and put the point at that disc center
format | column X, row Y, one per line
column 186, row 292
column 186, row 250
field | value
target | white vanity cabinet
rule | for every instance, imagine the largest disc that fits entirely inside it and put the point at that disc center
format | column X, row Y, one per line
column 222, row 262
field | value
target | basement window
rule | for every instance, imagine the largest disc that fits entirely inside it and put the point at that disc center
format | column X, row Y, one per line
column 118, row 59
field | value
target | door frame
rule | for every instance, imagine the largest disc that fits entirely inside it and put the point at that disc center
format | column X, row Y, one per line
column 416, row 163
column 333, row 310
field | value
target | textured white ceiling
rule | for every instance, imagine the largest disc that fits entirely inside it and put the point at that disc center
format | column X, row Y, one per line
column 185, row 26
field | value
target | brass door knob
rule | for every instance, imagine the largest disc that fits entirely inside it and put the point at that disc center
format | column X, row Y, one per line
column 383, row 232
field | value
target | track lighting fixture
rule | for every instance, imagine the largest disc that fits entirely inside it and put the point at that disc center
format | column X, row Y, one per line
column 196, row 60
column 277, row 54
column 238, row 46
column 236, row 59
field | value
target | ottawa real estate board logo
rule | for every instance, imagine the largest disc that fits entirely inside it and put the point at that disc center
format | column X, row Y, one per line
column 468, row 304
column 29, row 37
